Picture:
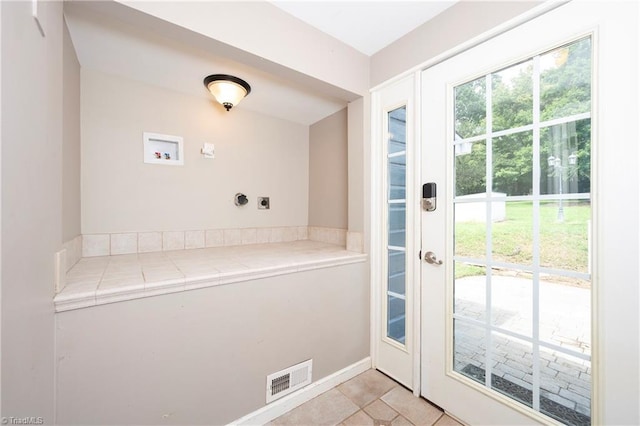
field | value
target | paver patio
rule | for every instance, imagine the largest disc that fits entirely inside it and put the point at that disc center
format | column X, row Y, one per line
column 564, row 318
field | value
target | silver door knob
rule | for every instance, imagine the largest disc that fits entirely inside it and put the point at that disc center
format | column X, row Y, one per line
column 430, row 257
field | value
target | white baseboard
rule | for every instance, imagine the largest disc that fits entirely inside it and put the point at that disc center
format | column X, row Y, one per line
column 289, row 402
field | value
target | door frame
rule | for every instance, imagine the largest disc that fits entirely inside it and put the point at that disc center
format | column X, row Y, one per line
column 377, row 199
column 447, row 151
column 378, row 228
column 614, row 367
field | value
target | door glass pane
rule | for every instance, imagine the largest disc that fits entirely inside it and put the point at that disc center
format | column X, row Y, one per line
column 565, row 396
column 512, row 97
column 512, row 373
column 397, row 219
column 471, row 168
column 565, row 158
column 512, row 301
column 471, row 291
column 470, row 229
column 565, row 312
column 469, row 350
column 512, row 232
column 396, row 322
column 513, row 164
column 565, row 81
column 522, row 286
column 396, row 271
column 564, row 234
column 397, row 178
column 471, row 109
column 396, row 225
column 397, row 130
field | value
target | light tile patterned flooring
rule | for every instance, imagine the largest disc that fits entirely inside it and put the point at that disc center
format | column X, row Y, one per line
column 370, row 398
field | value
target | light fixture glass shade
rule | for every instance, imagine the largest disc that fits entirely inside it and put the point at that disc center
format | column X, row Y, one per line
column 227, row 89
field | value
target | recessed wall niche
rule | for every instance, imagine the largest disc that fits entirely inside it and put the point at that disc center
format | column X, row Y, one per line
column 163, row 149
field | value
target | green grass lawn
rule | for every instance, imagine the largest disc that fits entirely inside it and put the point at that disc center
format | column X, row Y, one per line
column 563, row 245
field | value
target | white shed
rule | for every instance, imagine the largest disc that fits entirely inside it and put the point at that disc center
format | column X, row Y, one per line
column 476, row 210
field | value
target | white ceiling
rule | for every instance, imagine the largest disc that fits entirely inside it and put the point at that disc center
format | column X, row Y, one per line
column 106, row 43
column 367, row 26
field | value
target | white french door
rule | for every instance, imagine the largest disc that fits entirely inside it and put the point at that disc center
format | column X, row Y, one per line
column 522, row 135
column 394, row 331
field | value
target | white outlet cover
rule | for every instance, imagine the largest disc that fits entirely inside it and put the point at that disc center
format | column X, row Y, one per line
column 208, row 150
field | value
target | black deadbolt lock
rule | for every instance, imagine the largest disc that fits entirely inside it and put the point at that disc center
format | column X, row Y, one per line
column 429, row 196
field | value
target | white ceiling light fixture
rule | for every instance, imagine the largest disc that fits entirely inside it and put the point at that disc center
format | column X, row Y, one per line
column 227, row 89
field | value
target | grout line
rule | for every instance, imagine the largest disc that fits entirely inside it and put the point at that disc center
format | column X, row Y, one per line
column 438, row 419
column 379, row 399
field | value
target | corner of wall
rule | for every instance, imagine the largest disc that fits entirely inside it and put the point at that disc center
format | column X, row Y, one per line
column 356, row 143
column 328, row 172
column 70, row 139
column 455, row 25
column 31, row 204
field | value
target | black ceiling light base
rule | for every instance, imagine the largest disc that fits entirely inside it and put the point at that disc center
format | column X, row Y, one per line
column 227, row 89
column 226, row 77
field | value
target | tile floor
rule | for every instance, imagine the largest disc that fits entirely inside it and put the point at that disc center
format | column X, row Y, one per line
column 370, row 398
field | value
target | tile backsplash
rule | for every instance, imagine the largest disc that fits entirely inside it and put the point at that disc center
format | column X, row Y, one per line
column 328, row 235
column 124, row 243
column 146, row 242
column 96, row 245
column 149, row 242
column 194, row 239
column 355, row 242
column 74, row 252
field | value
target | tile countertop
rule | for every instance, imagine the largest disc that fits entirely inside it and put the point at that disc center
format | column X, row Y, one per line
column 107, row 279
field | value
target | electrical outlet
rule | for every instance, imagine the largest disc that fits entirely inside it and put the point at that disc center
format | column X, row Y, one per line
column 263, row 203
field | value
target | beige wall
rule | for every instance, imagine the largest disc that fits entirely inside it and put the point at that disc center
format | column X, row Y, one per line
column 70, row 140
column 356, row 161
column 31, row 191
column 458, row 24
column 262, row 35
column 202, row 356
column 328, row 180
column 255, row 154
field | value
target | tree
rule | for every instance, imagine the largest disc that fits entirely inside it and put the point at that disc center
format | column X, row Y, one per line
column 565, row 90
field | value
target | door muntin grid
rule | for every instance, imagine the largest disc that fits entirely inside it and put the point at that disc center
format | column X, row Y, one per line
column 522, row 216
column 395, row 322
